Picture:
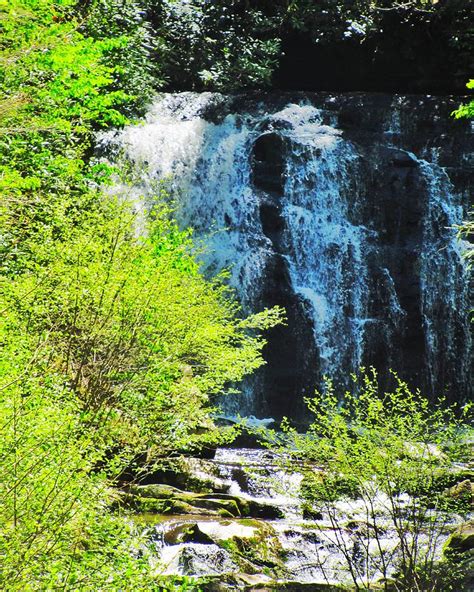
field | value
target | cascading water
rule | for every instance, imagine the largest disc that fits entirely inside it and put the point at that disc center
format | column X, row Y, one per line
column 331, row 207
column 324, row 249
column 444, row 284
column 330, row 546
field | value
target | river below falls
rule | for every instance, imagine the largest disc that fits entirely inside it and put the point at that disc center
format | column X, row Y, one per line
column 300, row 549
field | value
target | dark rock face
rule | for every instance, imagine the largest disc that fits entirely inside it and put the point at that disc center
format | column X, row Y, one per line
column 428, row 339
column 341, row 209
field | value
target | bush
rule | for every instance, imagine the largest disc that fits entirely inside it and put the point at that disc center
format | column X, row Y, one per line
column 111, row 348
column 223, row 46
column 390, row 457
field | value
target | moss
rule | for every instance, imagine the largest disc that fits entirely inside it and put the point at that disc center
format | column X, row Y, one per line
column 461, row 541
column 145, row 498
column 263, row 549
column 181, row 505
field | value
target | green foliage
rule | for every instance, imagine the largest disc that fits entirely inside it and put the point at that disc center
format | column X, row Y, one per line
column 134, row 62
column 111, row 347
column 466, row 230
column 390, row 454
column 332, row 20
column 466, row 233
column 466, row 110
column 215, row 45
column 233, row 45
column 112, row 342
column 54, row 90
column 133, row 324
column 55, row 530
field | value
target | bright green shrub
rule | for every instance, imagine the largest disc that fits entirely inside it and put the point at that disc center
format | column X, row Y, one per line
column 391, row 454
column 132, row 323
column 112, row 343
column 466, row 110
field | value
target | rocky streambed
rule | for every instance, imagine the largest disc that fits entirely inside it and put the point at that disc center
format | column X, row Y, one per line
column 238, row 522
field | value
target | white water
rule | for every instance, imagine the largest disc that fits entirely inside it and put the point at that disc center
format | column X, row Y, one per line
column 314, row 550
column 443, row 294
column 205, row 163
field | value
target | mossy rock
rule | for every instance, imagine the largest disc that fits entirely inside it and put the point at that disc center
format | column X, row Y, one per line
column 178, row 506
column 461, row 541
column 462, row 492
column 262, row 547
column 191, row 474
column 252, row 544
column 151, row 498
column 452, row 477
column 155, row 490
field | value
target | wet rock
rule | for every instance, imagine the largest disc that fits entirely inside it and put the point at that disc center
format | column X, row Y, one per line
column 197, row 560
column 452, row 477
column 253, row 545
column 185, row 504
column 462, row 492
column 251, row 540
column 361, row 527
column 254, row 581
column 256, row 509
column 156, row 490
column 197, row 475
column 263, row 550
column 403, row 159
column 165, row 499
column 310, row 513
column 268, row 162
column 461, row 541
column 248, row 547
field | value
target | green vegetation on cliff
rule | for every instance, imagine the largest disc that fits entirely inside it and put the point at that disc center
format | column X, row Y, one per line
column 232, row 45
column 113, row 344
column 466, row 230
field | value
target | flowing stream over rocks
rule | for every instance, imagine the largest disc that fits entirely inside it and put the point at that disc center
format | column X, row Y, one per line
column 338, row 207
column 272, row 541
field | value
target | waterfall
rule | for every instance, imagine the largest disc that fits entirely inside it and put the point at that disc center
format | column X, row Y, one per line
column 323, row 207
column 444, row 280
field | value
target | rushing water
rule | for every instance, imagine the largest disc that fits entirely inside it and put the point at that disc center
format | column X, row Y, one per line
column 317, row 549
column 343, row 224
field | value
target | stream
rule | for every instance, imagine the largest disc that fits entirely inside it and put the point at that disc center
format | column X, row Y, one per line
column 299, row 549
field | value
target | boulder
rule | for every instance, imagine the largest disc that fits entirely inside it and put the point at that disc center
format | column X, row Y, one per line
column 252, row 544
column 196, row 561
column 189, row 473
column 177, row 506
column 462, row 492
column 220, row 531
column 155, row 490
column 254, row 541
column 461, row 540
column 165, row 499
